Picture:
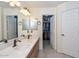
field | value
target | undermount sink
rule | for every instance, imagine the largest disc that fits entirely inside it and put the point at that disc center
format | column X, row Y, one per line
column 4, row 54
column 21, row 46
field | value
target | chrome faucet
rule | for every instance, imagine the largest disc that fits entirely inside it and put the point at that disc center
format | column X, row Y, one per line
column 15, row 42
column 23, row 35
column 29, row 36
column 4, row 40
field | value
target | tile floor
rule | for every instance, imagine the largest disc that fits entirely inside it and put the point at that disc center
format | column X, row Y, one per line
column 48, row 52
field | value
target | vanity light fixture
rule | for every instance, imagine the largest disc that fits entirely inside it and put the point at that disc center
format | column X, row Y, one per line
column 12, row 4
column 15, row 3
column 25, row 11
column 18, row 4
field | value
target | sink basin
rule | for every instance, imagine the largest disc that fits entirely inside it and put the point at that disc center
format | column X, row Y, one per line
column 23, row 45
column 5, row 53
column 13, row 51
column 17, row 51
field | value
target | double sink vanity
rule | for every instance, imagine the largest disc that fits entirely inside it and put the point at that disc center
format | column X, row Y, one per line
column 26, row 48
column 22, row 46
column 15, row 41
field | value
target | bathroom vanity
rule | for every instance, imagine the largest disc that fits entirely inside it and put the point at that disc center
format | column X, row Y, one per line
column 27, row 48
column 34, row 51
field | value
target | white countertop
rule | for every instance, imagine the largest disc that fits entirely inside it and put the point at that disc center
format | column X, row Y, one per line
column 20, row 51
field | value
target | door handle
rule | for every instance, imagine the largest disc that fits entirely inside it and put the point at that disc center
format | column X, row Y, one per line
column 62, row 34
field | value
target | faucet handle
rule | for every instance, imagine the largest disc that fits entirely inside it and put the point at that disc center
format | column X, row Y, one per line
column 23, row 35
column 4, row 40
column 29, row 36
column 19, row 40
column 14, row 44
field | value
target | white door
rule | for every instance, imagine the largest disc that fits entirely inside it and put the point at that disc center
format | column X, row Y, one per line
column 11, row 27
column 70, row 32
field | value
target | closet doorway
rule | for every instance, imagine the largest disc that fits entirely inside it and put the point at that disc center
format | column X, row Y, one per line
column 46, row 30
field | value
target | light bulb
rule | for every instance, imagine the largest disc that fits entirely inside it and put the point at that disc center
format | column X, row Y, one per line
column 12, row 4
column 28, row 13
column 18, row 4
column 25, row 12
column 22, row 10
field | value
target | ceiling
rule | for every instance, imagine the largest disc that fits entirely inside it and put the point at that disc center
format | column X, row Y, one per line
column 41, row 3
column 35, row 4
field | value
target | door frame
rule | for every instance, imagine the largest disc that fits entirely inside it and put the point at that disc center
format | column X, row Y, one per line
column 54, row 46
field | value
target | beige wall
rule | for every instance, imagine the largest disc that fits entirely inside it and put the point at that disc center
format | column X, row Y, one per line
column 37, row 13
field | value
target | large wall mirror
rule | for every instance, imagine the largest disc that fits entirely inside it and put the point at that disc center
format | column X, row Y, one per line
column 25, row 24
column 9, row 24
column 33, row 24
column 29, row 24
column 12, row 24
